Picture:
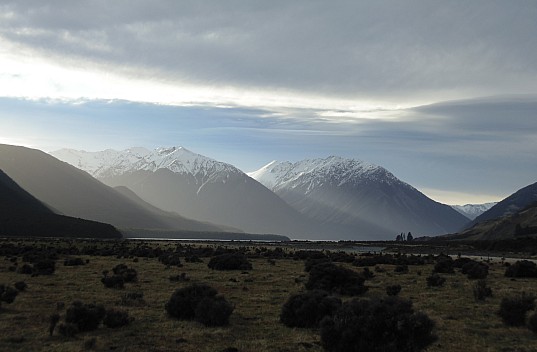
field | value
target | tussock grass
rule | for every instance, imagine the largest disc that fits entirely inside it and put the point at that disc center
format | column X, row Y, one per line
column 258, row 296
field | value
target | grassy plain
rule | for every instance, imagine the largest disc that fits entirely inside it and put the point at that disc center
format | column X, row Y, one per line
column 462, row 324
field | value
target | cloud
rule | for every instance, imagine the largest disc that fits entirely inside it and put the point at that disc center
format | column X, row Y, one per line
column 387, row 51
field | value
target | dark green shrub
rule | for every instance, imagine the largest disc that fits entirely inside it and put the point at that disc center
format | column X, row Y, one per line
column 444, row 266
column 170, row 259
column 475, row 270
column 435, row 280
column 199, row 302
column 393, row 290
column 128, row 274
column 8, row 294
column 26, row 269
column 68, row 329
column 401, row 268
column 332, row 278
column 513, row 309
column 183, row 302
column 481, row 290
column 311, row 262
column 115, row 318
column 73, row 262
column 179, row 278
column 44, row 267
column 86, row 317
column 367, row 274
column 306, row 310
column 386, row 325
column 114, row 281
column 230, row 261
column 213, row 311
column 20, row 285
column 522, row 268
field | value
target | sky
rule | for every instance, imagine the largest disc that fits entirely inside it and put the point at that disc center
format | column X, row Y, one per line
column 441, row 93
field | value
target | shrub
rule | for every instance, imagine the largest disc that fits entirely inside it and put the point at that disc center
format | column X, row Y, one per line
column 367, row 274
column 20, row 285
column 170, row 259
column 8, row 294
column 513, row 309
column 68, row 329
column 401, row 268
column 532, row 322
column 435, row 280
column 73, row 262
column 179, row 278
column 332, row 278
column 26, row 269
column 86, row 317
column 230, row 261
column 199, row 302
column 128, row 274
column 183, row 302
column 393, row 290
column 44, row 267
column 115, row 318
column 114, row 281
column 522, row 268
column 306, row 310
column 481, row 290
column 213, row 311
column 373, row 325
column 444, row 266
column 311, row 262
column 475, row 270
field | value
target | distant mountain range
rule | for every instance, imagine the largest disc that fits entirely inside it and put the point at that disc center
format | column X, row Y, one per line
column 471, row 211
column 331, row 198
column 21, row 214
column 73, row 192
column 360, row 197
column 510, row 205
column 176, row 179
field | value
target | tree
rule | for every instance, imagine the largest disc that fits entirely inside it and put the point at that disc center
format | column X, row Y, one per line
column 409, row 237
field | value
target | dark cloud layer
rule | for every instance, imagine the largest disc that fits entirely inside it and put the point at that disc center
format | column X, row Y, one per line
column 356, row 49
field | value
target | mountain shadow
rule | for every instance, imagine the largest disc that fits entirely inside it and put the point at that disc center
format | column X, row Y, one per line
column 21, row 214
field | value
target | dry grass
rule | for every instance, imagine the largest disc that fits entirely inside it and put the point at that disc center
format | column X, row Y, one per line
column 462, row 324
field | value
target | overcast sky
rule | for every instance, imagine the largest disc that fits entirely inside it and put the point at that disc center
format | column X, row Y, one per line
column 441, row 93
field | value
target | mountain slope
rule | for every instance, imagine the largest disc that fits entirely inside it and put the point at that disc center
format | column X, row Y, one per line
column 363, row 197
column 510, row 205
column 523, row 223
column 23, row 215
column 178, row 180
column 472, row 211
column 74, row 192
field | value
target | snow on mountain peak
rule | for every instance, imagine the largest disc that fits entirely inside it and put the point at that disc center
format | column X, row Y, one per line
column 112, row 163
column 334, row 169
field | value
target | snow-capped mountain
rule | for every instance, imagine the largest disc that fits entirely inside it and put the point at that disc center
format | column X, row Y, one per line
column 176, row 179
column 110, row 163
column 357, row 196
column 472, row 211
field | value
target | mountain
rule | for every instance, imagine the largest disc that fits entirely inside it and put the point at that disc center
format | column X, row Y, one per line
column 358, row 197
column 21, row 214
column 176, row 179
column 73, row 192
column 523, row 223
column 510, row 205
column 471, row 211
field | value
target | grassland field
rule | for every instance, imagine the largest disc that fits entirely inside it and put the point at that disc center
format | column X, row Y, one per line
column 462, row 323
